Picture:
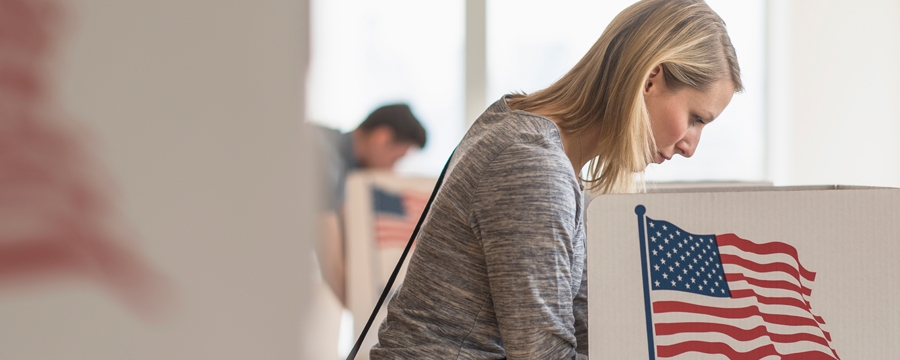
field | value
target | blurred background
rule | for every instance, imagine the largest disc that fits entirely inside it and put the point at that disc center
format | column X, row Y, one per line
column 174, row 131
column 818, row 104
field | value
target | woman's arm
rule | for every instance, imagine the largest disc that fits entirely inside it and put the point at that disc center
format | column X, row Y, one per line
column 524, row 212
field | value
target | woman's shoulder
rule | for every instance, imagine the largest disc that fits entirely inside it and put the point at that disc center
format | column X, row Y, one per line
column 500, row 127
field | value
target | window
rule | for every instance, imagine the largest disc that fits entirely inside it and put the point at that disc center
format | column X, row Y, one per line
column 365, row 54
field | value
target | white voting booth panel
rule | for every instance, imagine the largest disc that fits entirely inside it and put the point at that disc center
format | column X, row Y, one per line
column 380, row 212
column 768, row 272
column 153, row 203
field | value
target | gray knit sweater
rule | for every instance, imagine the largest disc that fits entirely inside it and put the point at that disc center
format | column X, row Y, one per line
column 499, row 266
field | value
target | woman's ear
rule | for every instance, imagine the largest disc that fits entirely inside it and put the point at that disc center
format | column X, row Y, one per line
column 655, row 76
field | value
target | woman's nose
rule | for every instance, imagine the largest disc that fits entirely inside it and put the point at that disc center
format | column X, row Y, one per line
column 688, row 144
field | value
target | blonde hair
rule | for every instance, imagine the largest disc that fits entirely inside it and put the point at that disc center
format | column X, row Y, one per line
column 685, row 37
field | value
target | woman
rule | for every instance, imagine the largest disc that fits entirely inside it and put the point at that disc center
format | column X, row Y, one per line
column 499, row 268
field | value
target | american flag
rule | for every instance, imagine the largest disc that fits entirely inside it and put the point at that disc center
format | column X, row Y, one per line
column 715, row 295
column 396, row 215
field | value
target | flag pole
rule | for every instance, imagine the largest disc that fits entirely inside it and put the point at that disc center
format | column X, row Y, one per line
column 640, row 210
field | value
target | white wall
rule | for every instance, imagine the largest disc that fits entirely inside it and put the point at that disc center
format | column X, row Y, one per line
column 194, row 109
column 834, row 100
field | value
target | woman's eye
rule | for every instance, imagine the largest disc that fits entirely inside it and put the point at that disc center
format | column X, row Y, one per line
column 698, row 120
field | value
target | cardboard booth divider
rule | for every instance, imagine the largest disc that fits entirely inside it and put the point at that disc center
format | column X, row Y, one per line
column 745, row 272
column 381, row 210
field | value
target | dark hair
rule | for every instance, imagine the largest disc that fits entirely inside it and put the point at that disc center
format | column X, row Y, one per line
column 400, row 119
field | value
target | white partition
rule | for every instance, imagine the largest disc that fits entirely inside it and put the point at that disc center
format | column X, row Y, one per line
column 840, row 299
column 180, row 119
column 381, row 211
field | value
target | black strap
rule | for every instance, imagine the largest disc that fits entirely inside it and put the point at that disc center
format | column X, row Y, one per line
column 390, row 283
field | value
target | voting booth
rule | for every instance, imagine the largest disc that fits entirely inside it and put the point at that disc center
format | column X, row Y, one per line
column 745, row 273
column 381, row 211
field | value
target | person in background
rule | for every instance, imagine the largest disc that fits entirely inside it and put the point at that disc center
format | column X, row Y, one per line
column 499, row 270
column 384, row 137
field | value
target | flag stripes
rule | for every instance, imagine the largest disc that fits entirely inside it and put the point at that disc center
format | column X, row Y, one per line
column 725, row 349
column 394, row 226
column 773, row 248
column 736, row 333
column 660, row 307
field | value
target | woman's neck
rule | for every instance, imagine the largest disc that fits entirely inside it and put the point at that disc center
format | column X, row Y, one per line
column 577, row 150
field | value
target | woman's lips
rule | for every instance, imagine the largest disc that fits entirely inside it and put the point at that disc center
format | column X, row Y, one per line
column 660, row 158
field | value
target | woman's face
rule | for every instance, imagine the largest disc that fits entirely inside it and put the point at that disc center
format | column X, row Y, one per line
column 678, row 117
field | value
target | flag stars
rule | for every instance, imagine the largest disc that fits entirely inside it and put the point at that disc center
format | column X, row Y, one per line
column 697, row 258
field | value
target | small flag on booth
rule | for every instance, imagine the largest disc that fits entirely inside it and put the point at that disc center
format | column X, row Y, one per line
column 396, row 215
column 721, row 295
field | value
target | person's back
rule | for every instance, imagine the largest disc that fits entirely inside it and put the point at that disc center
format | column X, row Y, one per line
column 464, row 303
